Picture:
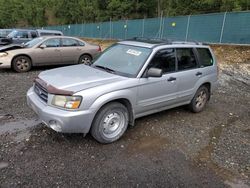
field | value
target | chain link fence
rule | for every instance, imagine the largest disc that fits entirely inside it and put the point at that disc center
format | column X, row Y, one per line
column 228, row 27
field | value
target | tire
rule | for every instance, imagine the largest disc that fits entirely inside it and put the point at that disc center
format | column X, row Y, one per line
column 199, row 100
column 21, row 64
column 85, row 59
column 110, row 123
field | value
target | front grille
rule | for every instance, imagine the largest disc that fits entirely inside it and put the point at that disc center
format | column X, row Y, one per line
column 41, row 92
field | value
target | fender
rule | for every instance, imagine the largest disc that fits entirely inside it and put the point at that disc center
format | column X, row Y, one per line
column 127, row 94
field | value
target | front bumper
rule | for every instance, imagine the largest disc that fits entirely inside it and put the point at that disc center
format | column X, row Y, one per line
column 60, row 120
column 5, row 62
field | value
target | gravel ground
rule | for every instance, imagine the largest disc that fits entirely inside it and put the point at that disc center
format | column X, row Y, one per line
column 174, row 148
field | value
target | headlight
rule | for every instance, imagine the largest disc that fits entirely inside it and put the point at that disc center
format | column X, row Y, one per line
column 3, row 54
column 69, row 102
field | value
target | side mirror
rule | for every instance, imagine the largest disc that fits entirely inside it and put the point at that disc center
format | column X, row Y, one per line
column 42, row 46
column 154, row 72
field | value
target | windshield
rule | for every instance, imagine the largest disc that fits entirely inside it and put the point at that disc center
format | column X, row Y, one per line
column 4, row 33
column 12, row 34
column 123, row 60
column 33, row 42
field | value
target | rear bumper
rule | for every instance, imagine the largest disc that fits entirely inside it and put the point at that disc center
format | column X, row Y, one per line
column 60, row 120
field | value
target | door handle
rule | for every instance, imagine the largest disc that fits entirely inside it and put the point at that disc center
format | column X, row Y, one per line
column 198, row 74
column 171, row 79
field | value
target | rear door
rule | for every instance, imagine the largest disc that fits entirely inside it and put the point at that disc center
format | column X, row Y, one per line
column 71, row 51
column 50, row 54
column 189, row 73
column 155, row 93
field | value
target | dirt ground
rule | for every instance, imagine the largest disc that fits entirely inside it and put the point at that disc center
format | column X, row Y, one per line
column 174, row 148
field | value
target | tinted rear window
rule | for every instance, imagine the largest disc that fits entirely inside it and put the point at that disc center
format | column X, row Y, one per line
column 205, row 57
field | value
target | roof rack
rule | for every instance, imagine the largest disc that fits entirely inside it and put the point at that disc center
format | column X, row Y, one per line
column 160, row 41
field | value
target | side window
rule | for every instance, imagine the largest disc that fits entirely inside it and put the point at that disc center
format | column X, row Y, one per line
column 185, row 58
column 205, row 57
column 69, row 42
column 33, row 34
column 22, row 34
column 52, row 43
column 165, row 60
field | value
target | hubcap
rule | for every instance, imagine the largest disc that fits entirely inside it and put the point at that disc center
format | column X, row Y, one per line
column 201, row 99
column 85, row 60
column 113, row 124
column 22, row 64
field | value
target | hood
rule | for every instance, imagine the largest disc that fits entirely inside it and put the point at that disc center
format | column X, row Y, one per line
column 10, row 47
column 5, row 41
column 77, row 77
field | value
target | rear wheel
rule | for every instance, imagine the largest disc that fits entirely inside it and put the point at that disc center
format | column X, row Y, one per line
column 22, row 64
column 110, row 123
column 85, row 59
column 200, row 99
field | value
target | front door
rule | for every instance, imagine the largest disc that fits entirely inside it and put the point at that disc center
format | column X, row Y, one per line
column 48, row 53
column 156, row 93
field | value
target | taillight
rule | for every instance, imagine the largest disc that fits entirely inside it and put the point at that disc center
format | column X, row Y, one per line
column 99, row 48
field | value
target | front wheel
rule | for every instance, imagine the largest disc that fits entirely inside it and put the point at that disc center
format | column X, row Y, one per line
column 22, row 64
column 200, row 99
column 110, row 123
column 85, row 59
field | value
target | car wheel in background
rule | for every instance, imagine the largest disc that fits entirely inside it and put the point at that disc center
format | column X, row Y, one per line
column 85, row 59
column 200, row 99
column 21, row 64
column 110, row 123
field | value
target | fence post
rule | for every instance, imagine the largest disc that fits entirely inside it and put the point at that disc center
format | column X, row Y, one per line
column 126, row 28
column 162, row 28
column 110, row 28
column 143, row 27
column 222, row 28
column 187, row 31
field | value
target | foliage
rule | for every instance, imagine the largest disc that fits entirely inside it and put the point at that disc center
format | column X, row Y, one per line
column 24, row 13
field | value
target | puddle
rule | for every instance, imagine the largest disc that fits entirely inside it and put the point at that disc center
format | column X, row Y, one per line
column 237, row 184
column 3, row 165
column 204, row 155
column 148, row 144
column 19, row 129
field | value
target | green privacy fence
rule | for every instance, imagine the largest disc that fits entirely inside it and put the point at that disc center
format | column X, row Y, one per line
column 228, row 27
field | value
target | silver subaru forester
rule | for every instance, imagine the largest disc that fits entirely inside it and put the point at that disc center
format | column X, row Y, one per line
column 130, row 79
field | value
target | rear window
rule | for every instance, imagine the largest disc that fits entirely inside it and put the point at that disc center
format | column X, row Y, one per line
column 206, row 58
column 49, row 34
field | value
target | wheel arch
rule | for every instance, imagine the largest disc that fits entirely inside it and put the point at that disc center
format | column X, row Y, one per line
column 124, row 101
column 86, row 53
column 208, row 86
column 12, row 61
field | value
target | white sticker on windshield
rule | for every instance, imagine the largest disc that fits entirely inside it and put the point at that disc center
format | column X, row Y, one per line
column 134, row 52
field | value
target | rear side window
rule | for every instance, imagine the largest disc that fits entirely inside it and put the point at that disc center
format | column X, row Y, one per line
column 33, row 34
column 69, row 42
column 186, row 58
column 165, row 60
column 205, row 56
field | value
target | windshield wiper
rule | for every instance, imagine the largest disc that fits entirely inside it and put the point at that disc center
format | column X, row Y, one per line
column 105, row 68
